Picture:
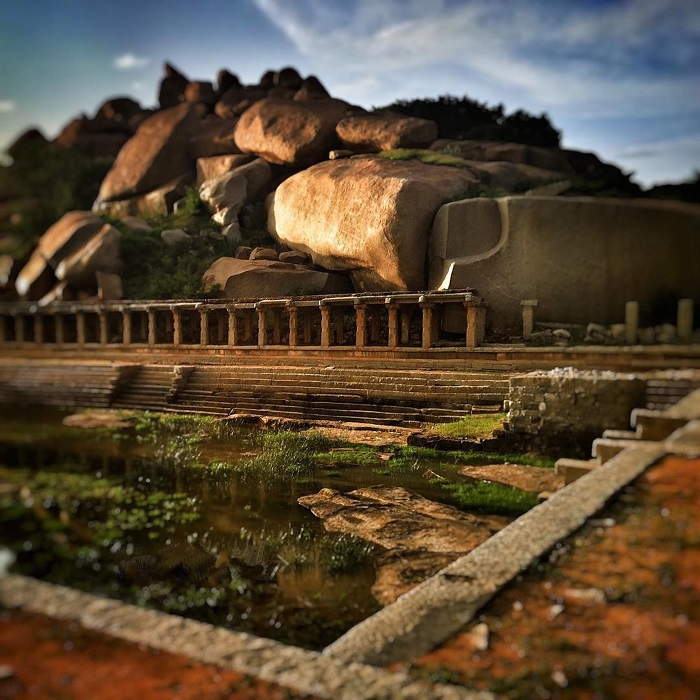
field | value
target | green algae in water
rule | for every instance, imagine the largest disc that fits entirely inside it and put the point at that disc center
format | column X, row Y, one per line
column 197, row 516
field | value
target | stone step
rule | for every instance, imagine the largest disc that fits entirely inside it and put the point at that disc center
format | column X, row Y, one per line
column 620, row 434
column 605, row 449
column 654, row 425
column 572, row 469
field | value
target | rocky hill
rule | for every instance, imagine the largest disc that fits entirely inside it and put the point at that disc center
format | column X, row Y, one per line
column 268, row 189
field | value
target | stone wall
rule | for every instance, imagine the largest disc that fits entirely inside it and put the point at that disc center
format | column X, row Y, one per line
column 581, row 258
column 568, row 408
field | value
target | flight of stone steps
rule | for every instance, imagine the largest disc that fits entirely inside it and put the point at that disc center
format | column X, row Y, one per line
column 649, row 427
column 342, row 393
column 151, row 388
column 77, row 385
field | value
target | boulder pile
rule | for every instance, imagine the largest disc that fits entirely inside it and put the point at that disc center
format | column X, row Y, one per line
column 339, row 189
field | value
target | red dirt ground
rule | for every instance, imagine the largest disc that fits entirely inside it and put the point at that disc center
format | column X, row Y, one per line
column 50, row 659
column 613, row 613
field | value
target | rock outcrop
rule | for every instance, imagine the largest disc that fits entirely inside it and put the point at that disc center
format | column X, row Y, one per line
column 172, row 87
column 288, row 132
column 371, row 216
column 71, row 252
column 384, row 131
column 158, row 152
column 225, row 195
column 545, row 158
column 99, row 254
column 214, row 138
column 249, row 279
column 421, row 536
column 213, row 166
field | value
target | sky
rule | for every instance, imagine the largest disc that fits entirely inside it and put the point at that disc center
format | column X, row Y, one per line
column 617, row 77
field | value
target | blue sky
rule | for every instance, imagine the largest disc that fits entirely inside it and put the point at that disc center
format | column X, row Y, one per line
column 619, row 77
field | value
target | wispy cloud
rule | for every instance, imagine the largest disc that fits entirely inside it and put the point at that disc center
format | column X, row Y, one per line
column 130, row 61
column 641, row 56
column 7, row 106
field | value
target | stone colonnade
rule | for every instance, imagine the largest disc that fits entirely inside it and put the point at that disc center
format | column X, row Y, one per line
column 405, row 319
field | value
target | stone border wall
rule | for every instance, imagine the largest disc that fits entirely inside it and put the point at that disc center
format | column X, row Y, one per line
column 568, row 408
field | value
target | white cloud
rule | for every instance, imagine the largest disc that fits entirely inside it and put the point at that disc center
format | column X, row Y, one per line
column 629, row 58
column 130, row 61
column 7, row 106
column 664, row 160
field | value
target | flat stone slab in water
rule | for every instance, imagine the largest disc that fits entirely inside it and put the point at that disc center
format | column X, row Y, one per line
column 422, row 536
column 521, row 476
column 396, row 518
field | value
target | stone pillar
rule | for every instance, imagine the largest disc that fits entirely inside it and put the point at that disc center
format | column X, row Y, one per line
column 38, row 329
column 102, row 317
column 262, row 326
column 220, row 327
column 631, row 322
column 276, row 327
column 339, row 325
column 177, row 327
column 60, row 330
column 151, row 327
column 528, row 316
column 685, row 320
column 232, row 328
column 19, row 328
column 360, row 325
column 203, row 327
column 374, row 325
column 80, row 327
column 325, row 326
column 393, row 325
column 428, row 325
column 308, row 326
column 471, row 338
column 293, row 326
column 126, row 327
column 405, row 324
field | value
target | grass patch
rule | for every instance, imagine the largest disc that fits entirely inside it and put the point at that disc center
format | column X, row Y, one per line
column 489, row 497
column 286, row 455
column 415, row 458
column 426, row 156
column 474, row 426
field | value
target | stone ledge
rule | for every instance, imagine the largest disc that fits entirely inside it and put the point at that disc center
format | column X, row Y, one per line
column 300, row 670
column 427, row 615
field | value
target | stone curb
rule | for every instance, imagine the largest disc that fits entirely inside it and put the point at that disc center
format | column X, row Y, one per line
column 428, row 614
column 302, row 671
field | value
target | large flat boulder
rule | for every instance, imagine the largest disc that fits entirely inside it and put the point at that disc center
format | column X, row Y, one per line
column 369, row 133
column 421, row 536
column 72, row 231
column 396, row 518
column 370, row 216
column 288, row 132
column 537, row 156
column 581, row 258
column 157, row 153
column 251, row 279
